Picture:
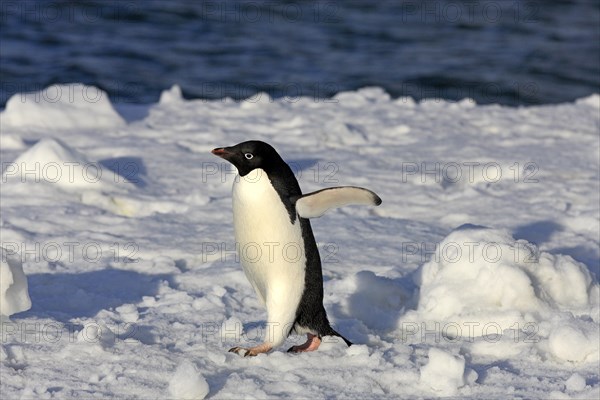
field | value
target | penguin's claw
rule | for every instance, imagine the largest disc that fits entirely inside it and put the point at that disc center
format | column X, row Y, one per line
column 252, row 351
column 238, row 350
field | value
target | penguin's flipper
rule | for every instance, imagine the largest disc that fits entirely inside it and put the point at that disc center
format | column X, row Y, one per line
column 315, row 204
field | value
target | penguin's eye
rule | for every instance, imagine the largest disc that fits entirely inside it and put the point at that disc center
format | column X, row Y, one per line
column 249, row 156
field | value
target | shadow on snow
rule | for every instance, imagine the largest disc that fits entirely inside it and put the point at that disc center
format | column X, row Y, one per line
column 65, row 296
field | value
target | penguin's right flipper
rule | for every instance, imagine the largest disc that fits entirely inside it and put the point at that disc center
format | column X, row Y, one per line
column 315, row 204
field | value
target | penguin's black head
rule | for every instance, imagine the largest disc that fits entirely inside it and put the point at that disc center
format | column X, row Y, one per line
column 248, row 156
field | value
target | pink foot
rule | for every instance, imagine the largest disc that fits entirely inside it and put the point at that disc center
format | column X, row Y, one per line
column 252, row 351
column 311, row 344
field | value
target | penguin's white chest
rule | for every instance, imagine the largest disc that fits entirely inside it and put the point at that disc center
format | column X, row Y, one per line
column 271, row 248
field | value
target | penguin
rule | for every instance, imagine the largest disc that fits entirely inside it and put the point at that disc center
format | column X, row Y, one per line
column 276, row 245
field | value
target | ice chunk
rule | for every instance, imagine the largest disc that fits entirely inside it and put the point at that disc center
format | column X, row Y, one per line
column 575, row 343
column 173, row 95
column 444, row 372
column 14, row 296
column 575, row 383
column 187, row 383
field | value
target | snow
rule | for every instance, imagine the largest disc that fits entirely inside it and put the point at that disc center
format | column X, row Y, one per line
column 443, row 372
column 187, row 383
column 14, row 296
column 575, row 343
column 575, row 383
column 477, row 277
column 70, row 106
column 483, row 282
column 53, row 161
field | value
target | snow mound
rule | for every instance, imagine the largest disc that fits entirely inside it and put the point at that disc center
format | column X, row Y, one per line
column 444, row 373
column 171, row 96
column 53, row 161
column 11, row 141
column 592, row 101
column 71, row 106
column 575, row 341
column 14, row 296
column 485, row 275
column 187, row 383
column 483, row 282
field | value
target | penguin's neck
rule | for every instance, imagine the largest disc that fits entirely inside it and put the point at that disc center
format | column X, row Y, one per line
column 252, row 188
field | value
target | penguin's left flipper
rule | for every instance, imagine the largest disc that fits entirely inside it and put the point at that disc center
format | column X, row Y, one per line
column 315, row 204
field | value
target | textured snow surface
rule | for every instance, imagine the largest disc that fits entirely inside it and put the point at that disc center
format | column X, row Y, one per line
column 477, row 277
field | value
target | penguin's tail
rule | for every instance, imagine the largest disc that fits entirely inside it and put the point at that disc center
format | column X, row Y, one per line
column 332, row 332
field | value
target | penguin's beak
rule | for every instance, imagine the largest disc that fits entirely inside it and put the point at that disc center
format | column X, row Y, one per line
column 230, row 154
column 222, row 152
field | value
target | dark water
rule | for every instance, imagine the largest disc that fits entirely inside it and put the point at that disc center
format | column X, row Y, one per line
column 509, row 52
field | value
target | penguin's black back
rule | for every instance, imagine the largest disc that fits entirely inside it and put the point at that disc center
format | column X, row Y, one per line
column 310, row 313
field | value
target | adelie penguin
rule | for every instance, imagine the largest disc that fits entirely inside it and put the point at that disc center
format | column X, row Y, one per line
column 270, row 211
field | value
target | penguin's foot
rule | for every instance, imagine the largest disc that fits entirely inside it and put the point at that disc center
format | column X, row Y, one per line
column 252, row 351
column 311, row 344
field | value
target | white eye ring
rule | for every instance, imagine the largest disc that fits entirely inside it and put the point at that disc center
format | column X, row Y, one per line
column 249, row 156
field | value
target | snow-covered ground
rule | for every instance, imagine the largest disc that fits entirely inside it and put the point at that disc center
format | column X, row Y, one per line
column 477, row 276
